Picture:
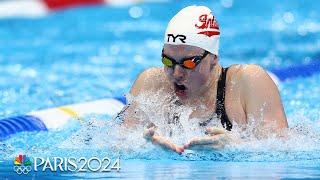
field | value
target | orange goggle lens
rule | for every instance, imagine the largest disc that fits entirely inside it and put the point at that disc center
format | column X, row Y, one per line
column 189, row 64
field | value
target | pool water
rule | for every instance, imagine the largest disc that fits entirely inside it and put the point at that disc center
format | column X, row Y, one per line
column 88, row 53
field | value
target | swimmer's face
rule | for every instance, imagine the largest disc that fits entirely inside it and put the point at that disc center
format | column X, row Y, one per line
column 188, row 82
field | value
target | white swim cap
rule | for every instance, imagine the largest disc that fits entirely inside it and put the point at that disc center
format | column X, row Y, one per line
column 195, row 26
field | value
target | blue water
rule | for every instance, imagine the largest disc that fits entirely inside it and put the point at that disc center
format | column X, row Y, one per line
column 84, row 54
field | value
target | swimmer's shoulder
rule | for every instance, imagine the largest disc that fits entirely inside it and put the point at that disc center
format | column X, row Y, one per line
column 246, row 72
column 251, row 73
column 244, row 79
column 151, row 79
column 249, row 77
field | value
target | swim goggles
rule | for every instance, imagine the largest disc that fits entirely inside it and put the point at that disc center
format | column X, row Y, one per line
column 188, row 62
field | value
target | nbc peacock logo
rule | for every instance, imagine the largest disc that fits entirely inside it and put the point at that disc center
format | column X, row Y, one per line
column 22, row 164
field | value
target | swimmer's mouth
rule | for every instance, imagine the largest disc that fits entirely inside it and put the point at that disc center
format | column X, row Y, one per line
column 180, row 89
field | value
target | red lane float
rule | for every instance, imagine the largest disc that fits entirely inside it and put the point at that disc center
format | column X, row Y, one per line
column 61, row 4
column 39, row 8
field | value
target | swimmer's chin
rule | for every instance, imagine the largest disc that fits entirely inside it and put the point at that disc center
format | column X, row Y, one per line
column 181, row 95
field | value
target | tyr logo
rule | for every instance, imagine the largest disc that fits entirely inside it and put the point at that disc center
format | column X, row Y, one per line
column 180, row 36
column 208, row 23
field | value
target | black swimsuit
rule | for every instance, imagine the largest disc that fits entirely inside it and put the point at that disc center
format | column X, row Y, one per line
column 220, row 107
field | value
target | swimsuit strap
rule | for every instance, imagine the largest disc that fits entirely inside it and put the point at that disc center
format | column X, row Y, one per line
column 220, row 104
column 220, row 107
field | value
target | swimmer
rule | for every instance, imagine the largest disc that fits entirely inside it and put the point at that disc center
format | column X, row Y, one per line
column 191, row 72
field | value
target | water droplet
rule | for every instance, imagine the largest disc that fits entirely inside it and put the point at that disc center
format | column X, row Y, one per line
column 226, row 3
column 288, row 17
column 136, row 12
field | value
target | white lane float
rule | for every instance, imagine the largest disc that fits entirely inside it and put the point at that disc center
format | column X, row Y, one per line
column 55, row 118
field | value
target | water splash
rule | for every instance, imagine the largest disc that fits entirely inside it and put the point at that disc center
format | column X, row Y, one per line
column 102, row 135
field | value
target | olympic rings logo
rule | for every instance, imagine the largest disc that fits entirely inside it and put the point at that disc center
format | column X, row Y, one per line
column 22, row 169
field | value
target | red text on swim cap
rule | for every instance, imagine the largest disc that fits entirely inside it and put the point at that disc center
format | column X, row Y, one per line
column 208, row 23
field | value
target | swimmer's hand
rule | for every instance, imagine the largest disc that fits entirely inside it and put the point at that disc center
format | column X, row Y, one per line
column 216, row 139
column 151, row 135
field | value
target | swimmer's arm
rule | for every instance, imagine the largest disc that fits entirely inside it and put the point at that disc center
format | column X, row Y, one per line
column 140, row 85
column 146, row 81
column 261, row 98
column 129, row 119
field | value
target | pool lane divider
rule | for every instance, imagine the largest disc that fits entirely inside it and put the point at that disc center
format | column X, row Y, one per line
column 40, row 8
column 72, row 113
column 299, row 70
column 57, row 118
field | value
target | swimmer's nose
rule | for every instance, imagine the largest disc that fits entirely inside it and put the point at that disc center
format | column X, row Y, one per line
column 178, row 72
